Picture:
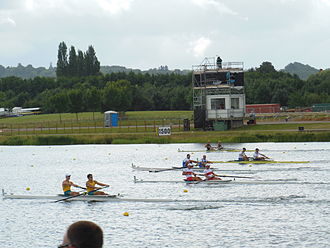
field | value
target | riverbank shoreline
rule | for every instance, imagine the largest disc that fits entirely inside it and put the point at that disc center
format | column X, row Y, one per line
column 243, row 136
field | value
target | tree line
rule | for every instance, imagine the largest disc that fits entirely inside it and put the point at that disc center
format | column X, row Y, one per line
column 116, row 91
column 266, row 85
column 76, row 64
column 142, row 91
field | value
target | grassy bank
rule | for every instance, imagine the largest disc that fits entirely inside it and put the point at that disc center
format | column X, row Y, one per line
column 140, row 128
column 180, row 137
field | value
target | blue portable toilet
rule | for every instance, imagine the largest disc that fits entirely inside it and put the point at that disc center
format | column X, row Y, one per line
column 111, row 119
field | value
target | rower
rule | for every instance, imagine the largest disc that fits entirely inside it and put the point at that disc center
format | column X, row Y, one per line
column 203, row 162
column 208, row 146
column 209, row 174
column 259, row 156
column 66, row 185
column 187, row 161
column 90, row 185
column 242, row 156
column 190, row 174
column 219, row 145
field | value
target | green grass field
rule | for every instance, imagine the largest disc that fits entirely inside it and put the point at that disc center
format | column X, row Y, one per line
column 142, row 126
column 88, row 116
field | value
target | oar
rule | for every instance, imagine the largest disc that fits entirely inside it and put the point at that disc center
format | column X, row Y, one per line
column 169, row 169
column 84, row 193
column 265, row 156
column 231, row 176
column 236, row 176
column 197, row 182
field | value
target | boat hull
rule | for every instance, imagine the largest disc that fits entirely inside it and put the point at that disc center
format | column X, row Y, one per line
column 222, row 150
column 234, row 181
column 88, row 198
column 159, row 169
column 260, row 162
column 186, row 182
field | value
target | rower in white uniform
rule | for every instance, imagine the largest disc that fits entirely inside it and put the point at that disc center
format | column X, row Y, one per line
column 190, row 174
column 209, row 174
column 242, row 156
column 258, row 156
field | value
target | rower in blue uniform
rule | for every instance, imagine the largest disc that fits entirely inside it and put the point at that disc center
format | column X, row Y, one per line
column 203, row 162
column 187, row 161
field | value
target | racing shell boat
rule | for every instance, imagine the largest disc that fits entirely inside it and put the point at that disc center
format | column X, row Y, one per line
column 260, row 162
column 176, row 168
column 99, row 198
column 88, row 198
column 229, row 181
column 183, row 181
column 215, row 150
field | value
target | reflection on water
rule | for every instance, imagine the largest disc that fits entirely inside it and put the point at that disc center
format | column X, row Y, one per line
column 234, row 215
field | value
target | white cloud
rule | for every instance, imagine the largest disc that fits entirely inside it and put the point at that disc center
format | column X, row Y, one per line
column 79, row 7
column 326, row 2
column 177, row 33
column 7, row 20
column 219, row 6
column 199, row 46
column 115, row 6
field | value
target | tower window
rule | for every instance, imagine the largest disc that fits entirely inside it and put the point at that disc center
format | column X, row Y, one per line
column 235, row 103
column 218, row 103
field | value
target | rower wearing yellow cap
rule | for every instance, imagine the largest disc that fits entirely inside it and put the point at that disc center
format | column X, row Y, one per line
column 66, row 185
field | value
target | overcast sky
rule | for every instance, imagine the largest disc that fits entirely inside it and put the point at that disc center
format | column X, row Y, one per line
column 143, row 34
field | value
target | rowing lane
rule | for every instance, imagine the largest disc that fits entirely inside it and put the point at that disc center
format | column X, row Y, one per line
column 233, row 215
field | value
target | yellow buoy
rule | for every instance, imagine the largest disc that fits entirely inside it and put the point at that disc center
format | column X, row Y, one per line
column 126, row 214
column 27, row 188
column 185, row 190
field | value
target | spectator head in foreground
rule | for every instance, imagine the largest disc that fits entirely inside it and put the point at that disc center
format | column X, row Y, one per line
column 83, row 234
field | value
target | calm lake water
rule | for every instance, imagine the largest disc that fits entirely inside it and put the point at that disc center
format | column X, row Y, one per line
column 232, row 215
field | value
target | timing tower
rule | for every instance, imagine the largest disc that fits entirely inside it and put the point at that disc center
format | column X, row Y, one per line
column 218, row 94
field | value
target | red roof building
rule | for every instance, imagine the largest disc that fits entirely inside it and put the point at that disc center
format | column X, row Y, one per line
column 263, row 108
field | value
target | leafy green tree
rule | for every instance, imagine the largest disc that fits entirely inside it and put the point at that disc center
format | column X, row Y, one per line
column 75, row 101
column 59, row 102
column 21, row 99
column 91, row 62
column 280, row 96
column 73, row 63
column 311, row 98
column 92, row 100
column 62, row 60
column 81, row 68
column 266, row 67
column 178, row 99
column 117, row 96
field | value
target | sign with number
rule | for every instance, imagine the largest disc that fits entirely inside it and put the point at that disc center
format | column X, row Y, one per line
column 164, row 131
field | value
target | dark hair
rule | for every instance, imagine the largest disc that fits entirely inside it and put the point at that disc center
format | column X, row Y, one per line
column 85, row 234
column 89, row 175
